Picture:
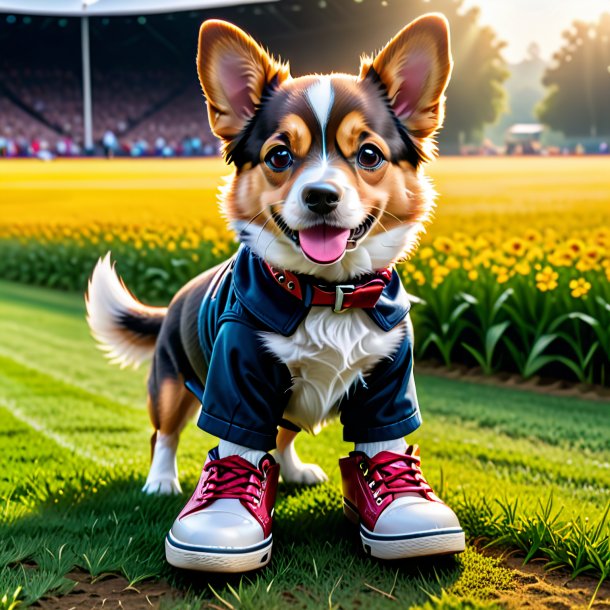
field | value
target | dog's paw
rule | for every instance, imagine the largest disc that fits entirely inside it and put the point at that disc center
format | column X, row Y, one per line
column 305, row 474
column 294, row 471
column 162, row 487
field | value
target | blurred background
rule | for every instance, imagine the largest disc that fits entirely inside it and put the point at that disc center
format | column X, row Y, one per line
column 531, row 77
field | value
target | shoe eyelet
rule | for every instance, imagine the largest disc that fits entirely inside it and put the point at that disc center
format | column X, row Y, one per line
column 378, row 501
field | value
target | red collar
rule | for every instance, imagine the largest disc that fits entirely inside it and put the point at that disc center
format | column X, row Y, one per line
column 363, row 294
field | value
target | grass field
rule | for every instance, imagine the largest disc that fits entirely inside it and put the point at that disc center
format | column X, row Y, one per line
column 495, row 192
column 74, row 454
column 527, row 472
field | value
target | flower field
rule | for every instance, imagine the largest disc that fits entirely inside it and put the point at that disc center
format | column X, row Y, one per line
column 514, row 274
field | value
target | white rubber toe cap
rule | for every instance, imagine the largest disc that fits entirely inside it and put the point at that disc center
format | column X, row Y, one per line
column 411, row 514
column 224, row 524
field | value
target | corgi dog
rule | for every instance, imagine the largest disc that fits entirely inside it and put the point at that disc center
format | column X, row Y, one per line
column 308, row 320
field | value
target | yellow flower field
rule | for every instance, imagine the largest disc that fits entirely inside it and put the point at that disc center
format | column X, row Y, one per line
column 531, row 232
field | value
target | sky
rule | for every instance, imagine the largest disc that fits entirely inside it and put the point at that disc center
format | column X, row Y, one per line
column 520, row 22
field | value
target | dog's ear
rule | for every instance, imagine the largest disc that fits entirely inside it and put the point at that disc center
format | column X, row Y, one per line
column 234, row 72
column 415, row 67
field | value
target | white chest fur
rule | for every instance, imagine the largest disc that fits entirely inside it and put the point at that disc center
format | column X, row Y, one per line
column 326, row 355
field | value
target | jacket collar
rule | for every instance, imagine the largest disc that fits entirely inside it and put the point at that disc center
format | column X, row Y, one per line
column 260, row 293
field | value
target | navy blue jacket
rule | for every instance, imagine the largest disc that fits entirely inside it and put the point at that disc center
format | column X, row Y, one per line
column 247, row 388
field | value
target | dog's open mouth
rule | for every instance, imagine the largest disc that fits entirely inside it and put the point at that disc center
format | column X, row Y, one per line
column 325, row 244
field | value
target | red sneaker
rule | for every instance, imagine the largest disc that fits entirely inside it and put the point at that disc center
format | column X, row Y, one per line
column 226, row 525
column 399, row 514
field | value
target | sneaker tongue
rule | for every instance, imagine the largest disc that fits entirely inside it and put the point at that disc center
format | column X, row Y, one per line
column 323, row 243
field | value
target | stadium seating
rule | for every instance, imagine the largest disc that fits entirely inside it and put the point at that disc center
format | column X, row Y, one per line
column 43, row 105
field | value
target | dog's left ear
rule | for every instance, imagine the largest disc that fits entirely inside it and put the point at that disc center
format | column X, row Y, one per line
column 415, row 67
column 234, row 71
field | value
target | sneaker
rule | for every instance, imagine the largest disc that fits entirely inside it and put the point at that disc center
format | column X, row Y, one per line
column 399, row 514
column 226, row 525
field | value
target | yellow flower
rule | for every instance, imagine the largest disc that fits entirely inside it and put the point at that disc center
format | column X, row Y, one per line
column 452, row 262
column 426, row 252
column 532, row 235
column 535, row 253
column 546, row 279
column 473, row 274
column 523, row 268
column 562, row 258
column 171, row 246
column 419, row 278
column 575, row 245
column 515, row 246
column 439, row 275
column 443, row 244
column 579, row 288
column 592, row 253
column 586, row 264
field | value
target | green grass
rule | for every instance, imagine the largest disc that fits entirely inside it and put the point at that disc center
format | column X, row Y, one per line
column 74, row 454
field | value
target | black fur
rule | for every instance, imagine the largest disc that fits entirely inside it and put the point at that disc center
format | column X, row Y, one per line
column 140, row 324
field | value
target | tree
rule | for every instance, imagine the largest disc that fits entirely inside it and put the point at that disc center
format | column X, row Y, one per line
column 578, row 97
column 476, row 94
column 334, row 33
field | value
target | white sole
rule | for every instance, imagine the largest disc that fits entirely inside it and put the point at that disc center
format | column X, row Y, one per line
column 229, row 560
column 448, row 541
column 422, row 544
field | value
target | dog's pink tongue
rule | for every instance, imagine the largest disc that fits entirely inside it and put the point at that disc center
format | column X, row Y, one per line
column 324, row 244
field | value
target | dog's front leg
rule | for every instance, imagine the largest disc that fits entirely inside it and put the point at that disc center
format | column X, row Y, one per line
column 291, row 467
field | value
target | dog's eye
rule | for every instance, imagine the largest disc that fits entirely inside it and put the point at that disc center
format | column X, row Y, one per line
column 370, row 157
column 279, row 158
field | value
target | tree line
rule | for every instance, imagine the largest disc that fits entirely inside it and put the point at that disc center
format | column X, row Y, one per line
column 577, row 81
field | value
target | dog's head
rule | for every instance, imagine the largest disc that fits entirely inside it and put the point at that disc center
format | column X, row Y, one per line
column 328, row 176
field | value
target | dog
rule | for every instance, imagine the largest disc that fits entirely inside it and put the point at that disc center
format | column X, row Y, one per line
column 328, row 194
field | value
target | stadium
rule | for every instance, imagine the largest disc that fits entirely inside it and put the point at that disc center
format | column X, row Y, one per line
column 107, row 157
column 139, row 67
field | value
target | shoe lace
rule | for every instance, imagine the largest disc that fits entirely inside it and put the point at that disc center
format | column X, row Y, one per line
column 396, row 474
column 232, row 477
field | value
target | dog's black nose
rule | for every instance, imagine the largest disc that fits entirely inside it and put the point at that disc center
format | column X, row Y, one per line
column 321, row 197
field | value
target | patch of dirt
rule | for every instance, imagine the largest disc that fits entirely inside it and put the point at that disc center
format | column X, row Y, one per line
column 542, row 385
column 539, row 589
column 535, row 589
column 108, row 593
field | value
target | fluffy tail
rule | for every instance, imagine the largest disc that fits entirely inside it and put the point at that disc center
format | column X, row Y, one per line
column 125, row 329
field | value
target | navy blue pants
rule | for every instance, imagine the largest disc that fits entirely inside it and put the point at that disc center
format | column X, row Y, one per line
column 247, row 390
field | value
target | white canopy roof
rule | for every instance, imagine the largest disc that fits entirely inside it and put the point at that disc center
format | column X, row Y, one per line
column 100, row 8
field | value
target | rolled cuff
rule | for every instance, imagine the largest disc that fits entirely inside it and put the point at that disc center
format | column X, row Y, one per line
column 228, row 431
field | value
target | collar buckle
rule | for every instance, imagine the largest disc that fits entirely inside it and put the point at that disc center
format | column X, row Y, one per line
column 340, row 291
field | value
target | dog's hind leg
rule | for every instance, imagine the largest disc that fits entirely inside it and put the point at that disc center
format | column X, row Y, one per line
column 175, row 405
column 170, row 406
column 291, row 467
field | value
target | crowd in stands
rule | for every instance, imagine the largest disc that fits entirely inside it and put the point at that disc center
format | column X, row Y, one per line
column 139, row 113
column 148, row 113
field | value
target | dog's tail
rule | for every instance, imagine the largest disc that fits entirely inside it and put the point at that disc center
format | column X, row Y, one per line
column 125, row 329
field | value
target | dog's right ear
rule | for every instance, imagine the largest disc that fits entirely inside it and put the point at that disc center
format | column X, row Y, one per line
column 234, row 71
